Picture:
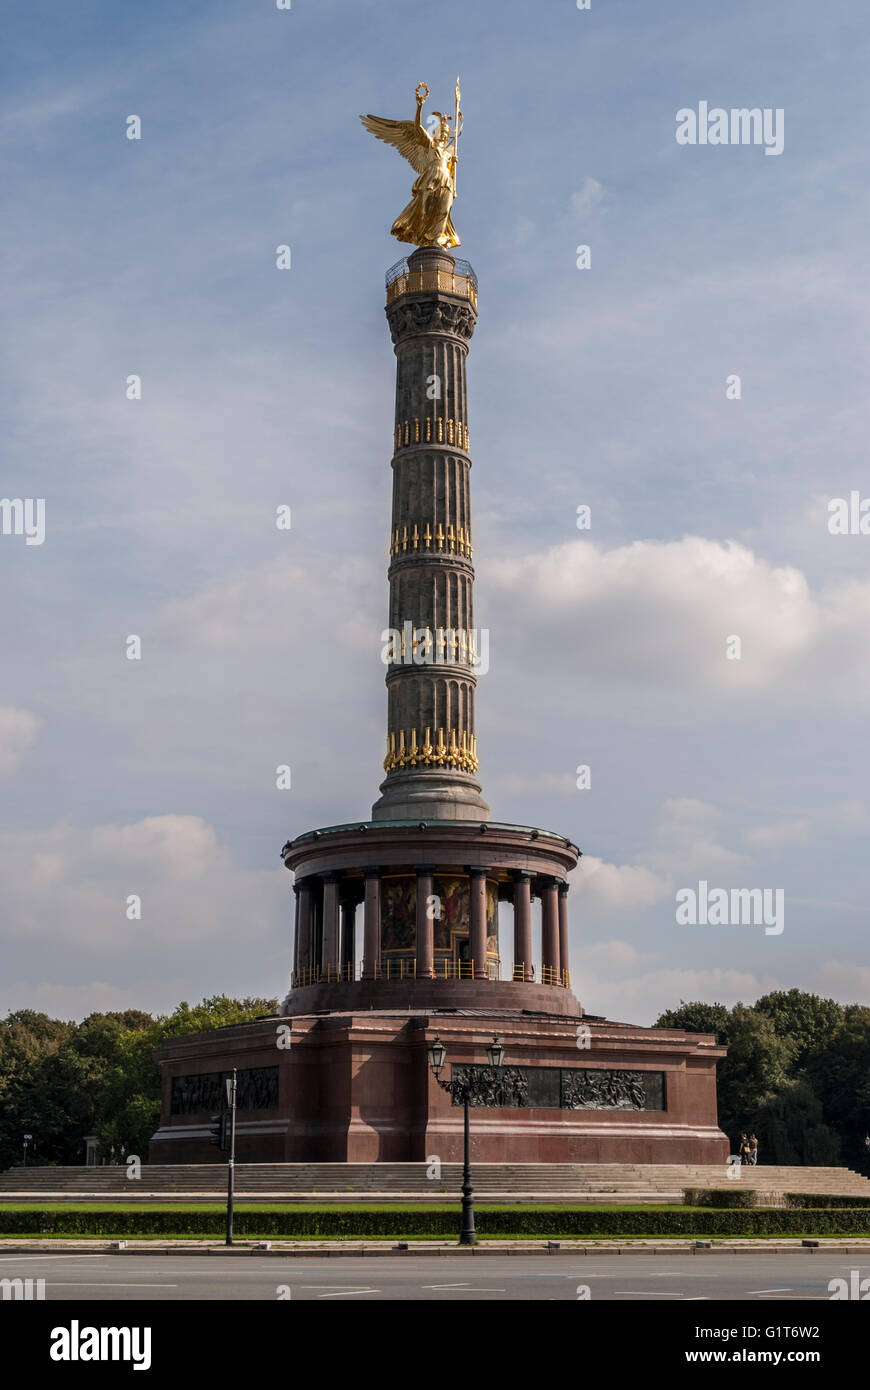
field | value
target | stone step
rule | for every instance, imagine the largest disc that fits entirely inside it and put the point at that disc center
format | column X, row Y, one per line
column 372, row 1180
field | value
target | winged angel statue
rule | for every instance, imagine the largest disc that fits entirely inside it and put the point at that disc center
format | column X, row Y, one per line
column 426, row 221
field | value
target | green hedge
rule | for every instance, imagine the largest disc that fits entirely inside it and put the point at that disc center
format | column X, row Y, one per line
column 806, row 1200
column 418, row 1221
column 730, row 1198
column 725, row 1198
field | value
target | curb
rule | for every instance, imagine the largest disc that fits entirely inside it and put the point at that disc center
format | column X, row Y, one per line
column 383, row 1249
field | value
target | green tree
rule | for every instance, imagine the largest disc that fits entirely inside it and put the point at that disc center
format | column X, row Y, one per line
column 791, row 1129
column 807, row 1020
column 840, row 1074
column 61, row 1081
column 697, row 1017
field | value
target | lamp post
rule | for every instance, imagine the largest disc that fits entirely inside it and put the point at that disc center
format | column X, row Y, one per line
column 231, row 1085
column 27, row 1140
column 461, row 1090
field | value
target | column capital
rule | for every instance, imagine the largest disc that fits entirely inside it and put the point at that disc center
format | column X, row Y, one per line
column 521, row 875
column 373, row 871
column 477, row 871
column 331, row 876
column 564, row 889
column 424, row 868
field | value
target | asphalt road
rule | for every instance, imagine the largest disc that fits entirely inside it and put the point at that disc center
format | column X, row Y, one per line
column 443, row 1278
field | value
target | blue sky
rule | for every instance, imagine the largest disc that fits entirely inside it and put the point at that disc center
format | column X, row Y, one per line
column 261, row 387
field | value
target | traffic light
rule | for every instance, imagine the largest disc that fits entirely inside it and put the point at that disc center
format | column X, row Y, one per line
column 218, row 1131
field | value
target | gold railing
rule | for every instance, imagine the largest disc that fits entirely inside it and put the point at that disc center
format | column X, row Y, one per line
column 462, row 281
column 405, row 968
column 551, row 976
column 544, row 974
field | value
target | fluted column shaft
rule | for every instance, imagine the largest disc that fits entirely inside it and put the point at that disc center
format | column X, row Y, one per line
column 431, row 754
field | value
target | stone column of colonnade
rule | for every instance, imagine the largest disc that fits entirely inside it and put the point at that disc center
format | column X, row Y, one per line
column 339, row 917
column 477, row 925
column 563, row 932
column 523, row 969
column 372, row 924
column 549, row 930
column 304, row 889
column 425, row 937
column 330, row 951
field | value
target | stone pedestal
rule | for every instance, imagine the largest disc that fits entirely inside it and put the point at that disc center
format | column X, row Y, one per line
column 356, row 1087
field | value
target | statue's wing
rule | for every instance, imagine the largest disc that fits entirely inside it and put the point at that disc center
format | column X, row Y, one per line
column 412, row 141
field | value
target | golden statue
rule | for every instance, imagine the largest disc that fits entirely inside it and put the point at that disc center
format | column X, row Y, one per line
column 426, row 221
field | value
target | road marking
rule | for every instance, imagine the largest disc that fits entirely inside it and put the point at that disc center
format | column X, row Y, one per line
column 346, row 1293
column 794, row 1298
column 103, row 1284
column 787, row 1289
column 645, row 1293
column 444, row 1286
column 16, row 1259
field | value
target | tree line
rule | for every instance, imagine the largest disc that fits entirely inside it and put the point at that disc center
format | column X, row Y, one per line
column 797, row 1073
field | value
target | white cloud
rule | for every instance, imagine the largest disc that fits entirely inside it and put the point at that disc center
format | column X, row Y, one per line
column 587, row 197
column 684, row 840
column 18, row 733
column 787, row 832
column 844, row 980
column 71, row 1001
column 659, row 613
column 69, row 886
column 641, row 998
column 617, row 887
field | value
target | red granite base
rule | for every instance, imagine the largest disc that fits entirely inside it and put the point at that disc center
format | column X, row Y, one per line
column 356, row 1087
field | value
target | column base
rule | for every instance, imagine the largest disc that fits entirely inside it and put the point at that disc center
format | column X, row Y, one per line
column 430, row 796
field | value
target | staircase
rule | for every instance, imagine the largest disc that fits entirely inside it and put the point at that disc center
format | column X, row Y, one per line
column 369, row 1182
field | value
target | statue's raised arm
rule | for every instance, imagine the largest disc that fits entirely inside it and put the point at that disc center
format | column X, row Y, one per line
column 426, row 220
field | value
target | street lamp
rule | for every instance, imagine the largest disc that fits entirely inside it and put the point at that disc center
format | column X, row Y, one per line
column 461, row 1090
column 27, row 1140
